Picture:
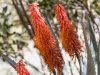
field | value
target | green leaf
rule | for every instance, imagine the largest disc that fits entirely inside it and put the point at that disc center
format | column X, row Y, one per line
column 76, row 14
column 90, row 64
column 93, row 40
column 92, row 36
column 5, row 9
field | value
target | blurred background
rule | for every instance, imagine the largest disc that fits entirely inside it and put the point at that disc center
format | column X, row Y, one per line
column 16, row 35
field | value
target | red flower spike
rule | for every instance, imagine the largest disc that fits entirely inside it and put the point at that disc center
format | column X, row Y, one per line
column 20, row 68
column 45, row 41
column 68, row 36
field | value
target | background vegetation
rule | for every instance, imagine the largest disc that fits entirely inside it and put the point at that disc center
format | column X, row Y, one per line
column 16, row 34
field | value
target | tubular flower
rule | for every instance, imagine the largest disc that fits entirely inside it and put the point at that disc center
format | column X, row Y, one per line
column 20, row 68
column 45, row 41
column 68, row 36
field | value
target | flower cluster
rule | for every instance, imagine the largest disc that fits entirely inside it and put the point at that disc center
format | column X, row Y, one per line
column 68, row 36
column 45, row 41
column 20, row 68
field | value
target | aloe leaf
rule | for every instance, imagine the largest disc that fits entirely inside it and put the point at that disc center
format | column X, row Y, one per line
column 93, row 40
column 90, row 64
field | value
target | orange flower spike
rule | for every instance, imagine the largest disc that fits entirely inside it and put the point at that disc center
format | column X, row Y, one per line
column 20, row 68
column 68, row 36
column 45, row 41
